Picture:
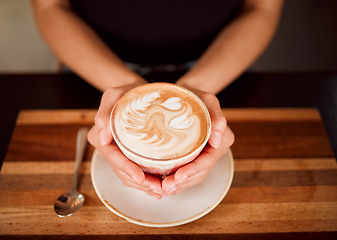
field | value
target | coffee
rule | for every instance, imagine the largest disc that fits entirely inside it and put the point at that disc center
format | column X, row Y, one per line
column 160, row 122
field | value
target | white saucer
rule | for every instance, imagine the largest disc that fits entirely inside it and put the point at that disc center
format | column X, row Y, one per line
column 139, row 208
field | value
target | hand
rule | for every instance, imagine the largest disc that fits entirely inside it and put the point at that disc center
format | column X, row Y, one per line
column 101, row 138
column 220, row 140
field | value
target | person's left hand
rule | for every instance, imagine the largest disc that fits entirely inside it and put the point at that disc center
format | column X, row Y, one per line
column 220, row 140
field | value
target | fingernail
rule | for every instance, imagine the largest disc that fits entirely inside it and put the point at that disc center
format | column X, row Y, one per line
column 170, row 190
column 215, row 139
column 155, row 190
column 182, row 179
column 158, row 196
column 104, row 137
column 136, row 179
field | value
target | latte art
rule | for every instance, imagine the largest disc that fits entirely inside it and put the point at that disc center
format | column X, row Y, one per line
column 160, row 125
column 141, row 120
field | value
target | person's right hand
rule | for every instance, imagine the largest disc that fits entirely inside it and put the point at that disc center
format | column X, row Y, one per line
column 101, row 138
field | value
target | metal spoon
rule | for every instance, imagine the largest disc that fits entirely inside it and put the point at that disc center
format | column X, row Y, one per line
column 69, row 203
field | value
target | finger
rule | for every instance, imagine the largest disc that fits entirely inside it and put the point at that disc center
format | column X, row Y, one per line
column 108, row 101
column 154, row 183
column 158, row 196
column 181, row 189
column 195, row 172
column 115, row 157
column 205, row 161
column 150, row 183
column 228, row 138
column 193, row 180
column 127, row 180
column 218, row 120
column 105, row 136
column 135, row 185
column 102, row 118
column 148, row 191
column 168, row 184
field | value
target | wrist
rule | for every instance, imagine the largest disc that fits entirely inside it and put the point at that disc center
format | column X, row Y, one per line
column 132, row 79
column 203, row 81
column 119, row 80
column 186, row 83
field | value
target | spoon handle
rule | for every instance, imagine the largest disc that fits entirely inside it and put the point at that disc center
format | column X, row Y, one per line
column 81, row 143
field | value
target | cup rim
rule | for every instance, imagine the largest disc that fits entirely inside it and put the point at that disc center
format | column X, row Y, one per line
column 169, row 161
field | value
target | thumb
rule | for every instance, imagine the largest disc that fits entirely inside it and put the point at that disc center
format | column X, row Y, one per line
column 218, row 120
column 102, row 118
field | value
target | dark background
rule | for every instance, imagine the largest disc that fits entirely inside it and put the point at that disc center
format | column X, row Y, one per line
column 305, row 40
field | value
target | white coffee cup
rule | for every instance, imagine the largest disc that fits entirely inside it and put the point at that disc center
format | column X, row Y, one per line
column 160, row 127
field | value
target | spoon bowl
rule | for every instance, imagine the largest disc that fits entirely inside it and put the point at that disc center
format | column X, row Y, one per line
column 69, row 203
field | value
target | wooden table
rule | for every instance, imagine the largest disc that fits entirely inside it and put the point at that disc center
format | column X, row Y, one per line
column 285, row 181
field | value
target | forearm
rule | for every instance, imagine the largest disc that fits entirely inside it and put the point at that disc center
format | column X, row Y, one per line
column 235, row 48
column 79, row 47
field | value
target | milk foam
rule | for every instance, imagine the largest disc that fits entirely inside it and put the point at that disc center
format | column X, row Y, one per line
column 159, row 126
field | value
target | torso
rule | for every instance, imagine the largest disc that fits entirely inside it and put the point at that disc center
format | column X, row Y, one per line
column 157, row 32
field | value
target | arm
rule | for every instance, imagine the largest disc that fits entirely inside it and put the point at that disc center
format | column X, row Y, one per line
column 79, row 47
column 236, row 47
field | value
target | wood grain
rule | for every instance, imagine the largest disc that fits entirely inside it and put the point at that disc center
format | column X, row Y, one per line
column 34, row 117
column 288, row 137
column 284, row 186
